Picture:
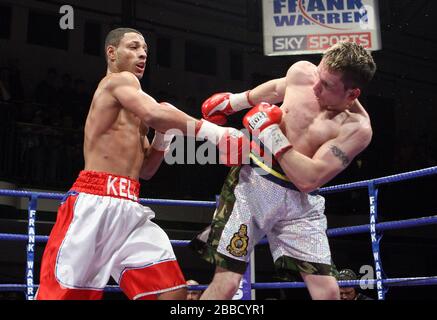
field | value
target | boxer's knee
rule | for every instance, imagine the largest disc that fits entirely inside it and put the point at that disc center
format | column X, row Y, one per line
column 332, row 292
column 322, row 287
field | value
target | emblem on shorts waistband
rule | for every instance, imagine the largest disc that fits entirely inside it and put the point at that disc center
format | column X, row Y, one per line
column 238, row 245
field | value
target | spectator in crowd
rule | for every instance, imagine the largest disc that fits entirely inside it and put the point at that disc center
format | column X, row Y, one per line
column 193, row 294
column 350, row 293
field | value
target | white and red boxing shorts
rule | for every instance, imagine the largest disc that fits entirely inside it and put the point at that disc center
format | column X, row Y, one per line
column 102, row 231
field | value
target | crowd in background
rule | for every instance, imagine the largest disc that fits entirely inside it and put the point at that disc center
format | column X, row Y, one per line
column 42, row 131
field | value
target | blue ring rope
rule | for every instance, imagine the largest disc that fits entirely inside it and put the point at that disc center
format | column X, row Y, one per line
column 144, row 201
column 212, row 204
column 394, row 282
column 336, row 232
column 379, row 181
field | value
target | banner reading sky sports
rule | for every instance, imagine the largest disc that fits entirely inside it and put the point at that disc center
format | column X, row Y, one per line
column 294, row 27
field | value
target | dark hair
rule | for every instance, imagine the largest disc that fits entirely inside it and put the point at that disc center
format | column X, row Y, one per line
column 353, row 61
column 347, row 274
column 114, row 36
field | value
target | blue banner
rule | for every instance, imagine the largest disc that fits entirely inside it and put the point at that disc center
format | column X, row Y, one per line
column 33, row 203
column 376, row 237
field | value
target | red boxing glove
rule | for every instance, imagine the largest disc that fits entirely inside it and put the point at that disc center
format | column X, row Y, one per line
column 233, row 145
column 234, row 148
column 263, row 121
column 220, row 105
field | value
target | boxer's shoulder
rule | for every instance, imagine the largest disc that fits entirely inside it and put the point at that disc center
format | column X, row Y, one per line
column 302, row 72
column 115, row 80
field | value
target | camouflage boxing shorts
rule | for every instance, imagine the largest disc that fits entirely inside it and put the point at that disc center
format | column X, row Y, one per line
column 252, row 206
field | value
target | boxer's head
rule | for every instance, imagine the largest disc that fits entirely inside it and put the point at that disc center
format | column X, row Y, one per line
column 346, row 68
column 347, row 293
column 126, row 50
column 193, row 294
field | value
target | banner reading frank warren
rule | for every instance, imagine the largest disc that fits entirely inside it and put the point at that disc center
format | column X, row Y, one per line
column 294, row 27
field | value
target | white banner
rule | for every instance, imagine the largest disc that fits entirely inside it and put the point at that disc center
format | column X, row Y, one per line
column 294, row 27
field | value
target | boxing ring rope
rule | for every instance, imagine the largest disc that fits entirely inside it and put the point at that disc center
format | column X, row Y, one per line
column 376, row 231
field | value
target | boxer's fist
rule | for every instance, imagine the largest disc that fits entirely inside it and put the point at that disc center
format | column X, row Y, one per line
column 232, row 144
column 216, row 108
column 262, row 116
column 234, row 148
column 220, row 105
column 263, row 121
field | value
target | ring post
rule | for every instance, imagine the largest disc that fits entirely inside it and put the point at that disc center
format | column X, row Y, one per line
column 33, row 203
column 376, row 237
column 246, row 284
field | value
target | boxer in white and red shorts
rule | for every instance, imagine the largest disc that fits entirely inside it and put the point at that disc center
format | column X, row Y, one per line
column 102, row 231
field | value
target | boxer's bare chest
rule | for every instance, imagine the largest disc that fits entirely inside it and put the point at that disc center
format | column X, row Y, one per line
column 307, row 126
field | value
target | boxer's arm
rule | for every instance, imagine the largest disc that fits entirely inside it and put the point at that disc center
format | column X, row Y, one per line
column 155, row 153
column 152, row 161
column 220, row 105
column 331, row 158
column 126, row 88
column 272, row 91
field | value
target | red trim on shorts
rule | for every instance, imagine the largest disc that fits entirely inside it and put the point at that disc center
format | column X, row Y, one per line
column 107, row 184
column 50, row 288
column 149, row 281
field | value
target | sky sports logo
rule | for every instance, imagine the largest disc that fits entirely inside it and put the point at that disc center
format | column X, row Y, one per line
column 318, row 42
